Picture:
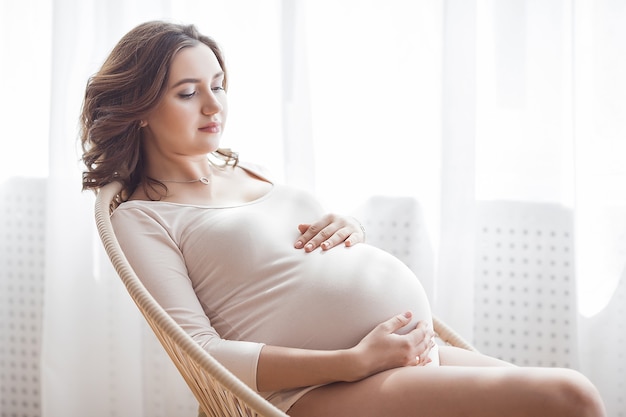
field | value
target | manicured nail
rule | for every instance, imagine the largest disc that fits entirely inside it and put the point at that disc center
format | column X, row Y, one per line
column 308, row 247
column 299, row 244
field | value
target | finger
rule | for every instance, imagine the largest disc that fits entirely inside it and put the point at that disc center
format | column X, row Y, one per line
column 357, row 237
column 305, row 235
column 397, row 322
column 336, row 238
column 319, row 238
column 422, row 327
column 310, row 231
column 430, row 333
column 329, row 232
column 423, row 335
column 425, row 327
column 425, row 344
column 422, row 360
column 302, row 228
column 326, row 236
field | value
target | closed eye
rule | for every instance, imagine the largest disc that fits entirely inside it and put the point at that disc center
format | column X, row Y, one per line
column 187, row 95
column 193, row 93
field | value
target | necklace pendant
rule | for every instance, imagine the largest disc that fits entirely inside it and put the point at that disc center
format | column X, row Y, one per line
column 204, row 180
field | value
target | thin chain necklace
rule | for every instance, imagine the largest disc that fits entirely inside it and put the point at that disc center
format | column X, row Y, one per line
column 204, row 180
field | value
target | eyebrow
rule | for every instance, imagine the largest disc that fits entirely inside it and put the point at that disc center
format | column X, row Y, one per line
column 196, row 80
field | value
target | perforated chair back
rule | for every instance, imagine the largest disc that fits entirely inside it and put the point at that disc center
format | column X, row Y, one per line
column 22, row 269
column 525, row 309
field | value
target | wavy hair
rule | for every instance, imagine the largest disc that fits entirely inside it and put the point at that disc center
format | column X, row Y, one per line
column 130, row 83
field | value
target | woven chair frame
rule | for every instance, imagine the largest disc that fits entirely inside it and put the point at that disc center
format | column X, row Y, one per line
column 217, row 390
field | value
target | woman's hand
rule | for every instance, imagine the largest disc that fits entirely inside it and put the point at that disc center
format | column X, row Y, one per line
column 383, row 349
column 286, row 368
column 330, row 231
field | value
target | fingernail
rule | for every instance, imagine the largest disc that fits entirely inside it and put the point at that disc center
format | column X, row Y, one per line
column 308, row 247
column 325, row 245
column 298, row 244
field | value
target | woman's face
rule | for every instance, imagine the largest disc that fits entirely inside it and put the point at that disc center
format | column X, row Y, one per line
column 190, row 118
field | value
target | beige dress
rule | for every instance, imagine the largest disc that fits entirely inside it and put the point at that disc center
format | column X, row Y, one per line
column 231, row 277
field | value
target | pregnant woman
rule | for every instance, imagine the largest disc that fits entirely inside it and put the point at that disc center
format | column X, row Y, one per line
column 286, row 297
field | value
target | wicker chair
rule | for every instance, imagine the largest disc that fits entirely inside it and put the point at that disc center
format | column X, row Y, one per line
column 217, row 390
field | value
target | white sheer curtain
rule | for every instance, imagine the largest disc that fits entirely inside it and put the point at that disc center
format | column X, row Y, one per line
column 452, row 102
column 98, row 357
column 551, row 131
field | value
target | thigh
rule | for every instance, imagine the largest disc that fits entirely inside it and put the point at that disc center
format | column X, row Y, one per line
column 453, row 356
column 453, row 391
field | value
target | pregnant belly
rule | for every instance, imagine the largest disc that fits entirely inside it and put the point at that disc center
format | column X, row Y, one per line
column 332, row 299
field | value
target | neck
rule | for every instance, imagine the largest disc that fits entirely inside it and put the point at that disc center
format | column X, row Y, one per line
column 201, row 172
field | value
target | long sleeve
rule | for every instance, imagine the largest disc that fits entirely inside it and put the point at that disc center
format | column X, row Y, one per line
column 159, row 263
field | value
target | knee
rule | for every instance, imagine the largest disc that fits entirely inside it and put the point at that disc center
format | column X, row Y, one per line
column 577, row 395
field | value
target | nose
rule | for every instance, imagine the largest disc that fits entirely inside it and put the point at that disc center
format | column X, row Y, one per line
column 211, row 104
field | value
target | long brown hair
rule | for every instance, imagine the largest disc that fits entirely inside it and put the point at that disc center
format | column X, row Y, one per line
column 129, row 85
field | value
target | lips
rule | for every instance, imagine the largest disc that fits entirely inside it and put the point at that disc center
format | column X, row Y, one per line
column 213, row 127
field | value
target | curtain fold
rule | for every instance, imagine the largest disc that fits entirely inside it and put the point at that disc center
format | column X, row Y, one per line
column 457, row 104
column 455, row 286
column 599, row 132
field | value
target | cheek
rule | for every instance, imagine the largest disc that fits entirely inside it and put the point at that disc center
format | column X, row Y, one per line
column 224, row 111
column 172, row 118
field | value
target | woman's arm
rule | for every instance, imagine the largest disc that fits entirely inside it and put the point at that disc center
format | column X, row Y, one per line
column 161, row 267
column 284, row 368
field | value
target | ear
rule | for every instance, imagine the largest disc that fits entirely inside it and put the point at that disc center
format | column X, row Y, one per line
column 143, row 123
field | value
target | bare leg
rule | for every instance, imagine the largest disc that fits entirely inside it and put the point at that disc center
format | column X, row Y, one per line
column 480, row 390
column 453, row 356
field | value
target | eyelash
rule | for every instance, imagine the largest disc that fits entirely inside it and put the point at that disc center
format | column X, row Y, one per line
column 190, row 95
